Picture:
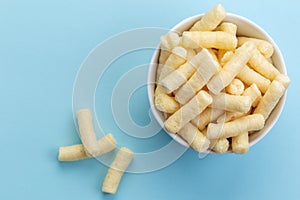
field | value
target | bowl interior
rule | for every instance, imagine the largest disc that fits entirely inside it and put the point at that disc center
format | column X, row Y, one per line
column 245, row 28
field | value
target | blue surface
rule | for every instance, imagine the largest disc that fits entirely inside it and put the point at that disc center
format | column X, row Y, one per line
column 42, row 45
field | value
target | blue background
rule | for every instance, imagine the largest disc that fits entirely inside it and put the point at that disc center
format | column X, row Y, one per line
column 43, row 43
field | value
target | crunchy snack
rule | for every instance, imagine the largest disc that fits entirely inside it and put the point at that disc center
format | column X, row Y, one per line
column 236, row 127
column 87, row 133
column 270, row 99
column 116, row 170
column 210, row 20
column 249, row 76
column 260, row 64
column 239, row 72
column 283, row 79
column 209, row 39
column 236, row 87
column 194, row 137
column 188, row 112
column 263, row 46
column 232, row 103
column 207, row 116
column 219, row 145
column 165, row 102
column 240, row 143
column 228, row 28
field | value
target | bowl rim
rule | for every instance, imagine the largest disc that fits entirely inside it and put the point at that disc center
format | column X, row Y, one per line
column 151, row 78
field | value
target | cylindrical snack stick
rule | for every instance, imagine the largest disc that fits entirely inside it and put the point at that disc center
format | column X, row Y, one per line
column 209, row 39
column 178, row 77
column 270, row 99
column 208, row 115
column 236, row 87
column 252, row 92
column 210, row 20
column 283, row 79
column 158, row 90
column 236, row 127
column 76, row 152
column 232, row 103
column 240, row 144
column 116, row 170
column 249, row 76
column 87, row 133
column 166, row 103
column 223, row 78
column 207, row 68
column 263, row 46
column 228, row 28
column 219, row 145
column 176, row 58
column 194, row 137
column 260, row 64
column 188, row 112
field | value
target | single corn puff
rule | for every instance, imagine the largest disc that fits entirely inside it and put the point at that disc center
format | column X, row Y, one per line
column 236, row 127
column 263, row 46
column 232, row 103
column 116, row 170
column 240, row 144
column 194, row 137
column 207, row 116
column 283, row 79
column 228, row 28
column 236, row 87
column 219, row 145
column 209, row 39
column 87, row 133
column 188, row 112
column 166, row 103
column 210, row 20
column 270, row 99
column 249, row 76
column 260, row 64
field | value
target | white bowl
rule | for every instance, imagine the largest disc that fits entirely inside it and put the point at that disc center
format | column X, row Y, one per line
column 245, row 28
